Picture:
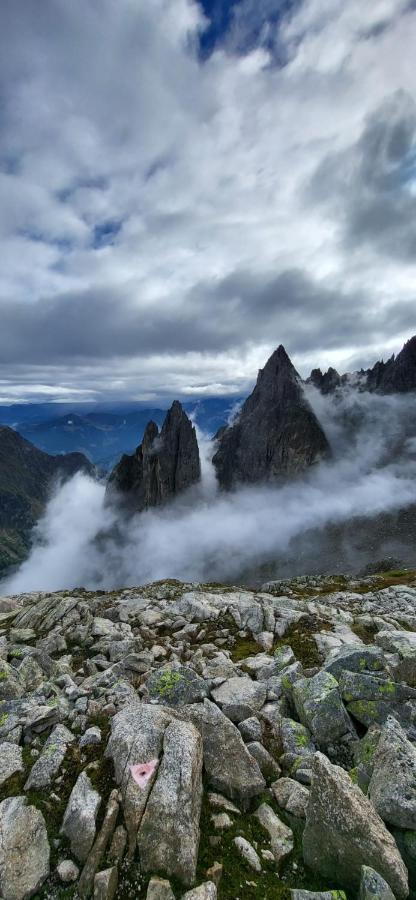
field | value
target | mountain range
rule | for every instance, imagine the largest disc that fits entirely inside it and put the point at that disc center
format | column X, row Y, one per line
column 103, row 434
column 26, row 478
column 274, row 436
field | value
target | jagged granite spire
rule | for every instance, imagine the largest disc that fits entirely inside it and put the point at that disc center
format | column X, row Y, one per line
column 398, row 374
column 164, row 464
column 276, row 433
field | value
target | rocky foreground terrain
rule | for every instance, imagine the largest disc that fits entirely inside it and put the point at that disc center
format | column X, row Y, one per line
column 196, row 741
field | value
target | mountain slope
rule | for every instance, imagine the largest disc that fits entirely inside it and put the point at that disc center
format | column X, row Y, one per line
column 276, row 434
column 26, row 477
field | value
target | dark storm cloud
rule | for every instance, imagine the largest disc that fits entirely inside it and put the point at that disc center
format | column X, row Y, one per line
column 372, row 186
column 214, row 317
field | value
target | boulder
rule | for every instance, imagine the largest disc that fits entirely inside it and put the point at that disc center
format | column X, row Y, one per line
column 168, row 836
column 392, row 788
column 373, row 886
column 344, row 832
column 403, row 644
column 176, row 686
column 229, row 766
column 80, row 817
column 291, row 796
column 206, row 891
column 24, row 849
column 248, row 853
column 11, row 761
column 250, row 729
column 319, row 706
column 281, row 836
column 239, row 698
column 361, row 658
column 67, row 871
column 50, row 760
column 159, row 889
column 136, row 737
column 268, row 766
column 105, row 884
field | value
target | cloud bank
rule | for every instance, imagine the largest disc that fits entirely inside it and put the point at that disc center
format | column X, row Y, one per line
column 208, row 536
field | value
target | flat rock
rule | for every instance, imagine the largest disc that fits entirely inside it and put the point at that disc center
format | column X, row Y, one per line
column 344, row 832
column 24, row 849
column 105, row 884
column 67, row 871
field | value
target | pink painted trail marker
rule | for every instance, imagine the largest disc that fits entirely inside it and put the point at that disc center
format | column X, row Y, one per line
column 142, row 772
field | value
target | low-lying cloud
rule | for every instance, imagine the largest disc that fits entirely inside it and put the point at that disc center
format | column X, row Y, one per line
column 212, row 536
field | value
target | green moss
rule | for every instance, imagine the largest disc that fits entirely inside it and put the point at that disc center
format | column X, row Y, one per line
column 301, row 740
column 3, row 719
column 353, row 775
column 3, row 675
column 300, row 637
column 168, row 680
column 243, row 648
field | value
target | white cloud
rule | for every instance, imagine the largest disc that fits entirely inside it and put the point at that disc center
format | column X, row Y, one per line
column 110, row 116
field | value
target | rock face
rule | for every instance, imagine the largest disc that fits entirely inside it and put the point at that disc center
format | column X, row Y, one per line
column 163, row 466
column 397, row 375
column 276, row 433
column 24, row 849
column 26, row 475
column 343, row 832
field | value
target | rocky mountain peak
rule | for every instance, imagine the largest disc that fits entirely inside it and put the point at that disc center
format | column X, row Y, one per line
column 163, row 465
column 276, row 432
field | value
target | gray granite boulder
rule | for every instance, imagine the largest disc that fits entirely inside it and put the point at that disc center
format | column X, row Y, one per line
column 168, row 837
column 79, row 822
column 24, row 849
column 343, row 832
column 239, row 698
column 50, row 760
column 176, row 686
column 11, row 761
column 373, row 886
column 229, row 766
column 319, row 706
column 392, row 788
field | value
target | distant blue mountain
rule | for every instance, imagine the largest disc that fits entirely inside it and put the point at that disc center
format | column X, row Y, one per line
column 103, row 433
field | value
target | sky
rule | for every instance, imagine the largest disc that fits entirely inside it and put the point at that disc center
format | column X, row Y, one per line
column 184, row 186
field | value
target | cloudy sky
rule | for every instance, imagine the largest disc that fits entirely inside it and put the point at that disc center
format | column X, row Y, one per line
column 185, row 185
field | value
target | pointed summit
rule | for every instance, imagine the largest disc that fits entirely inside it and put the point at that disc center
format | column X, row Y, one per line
column 164, row 464
column 276, row 433
column 398, row 375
